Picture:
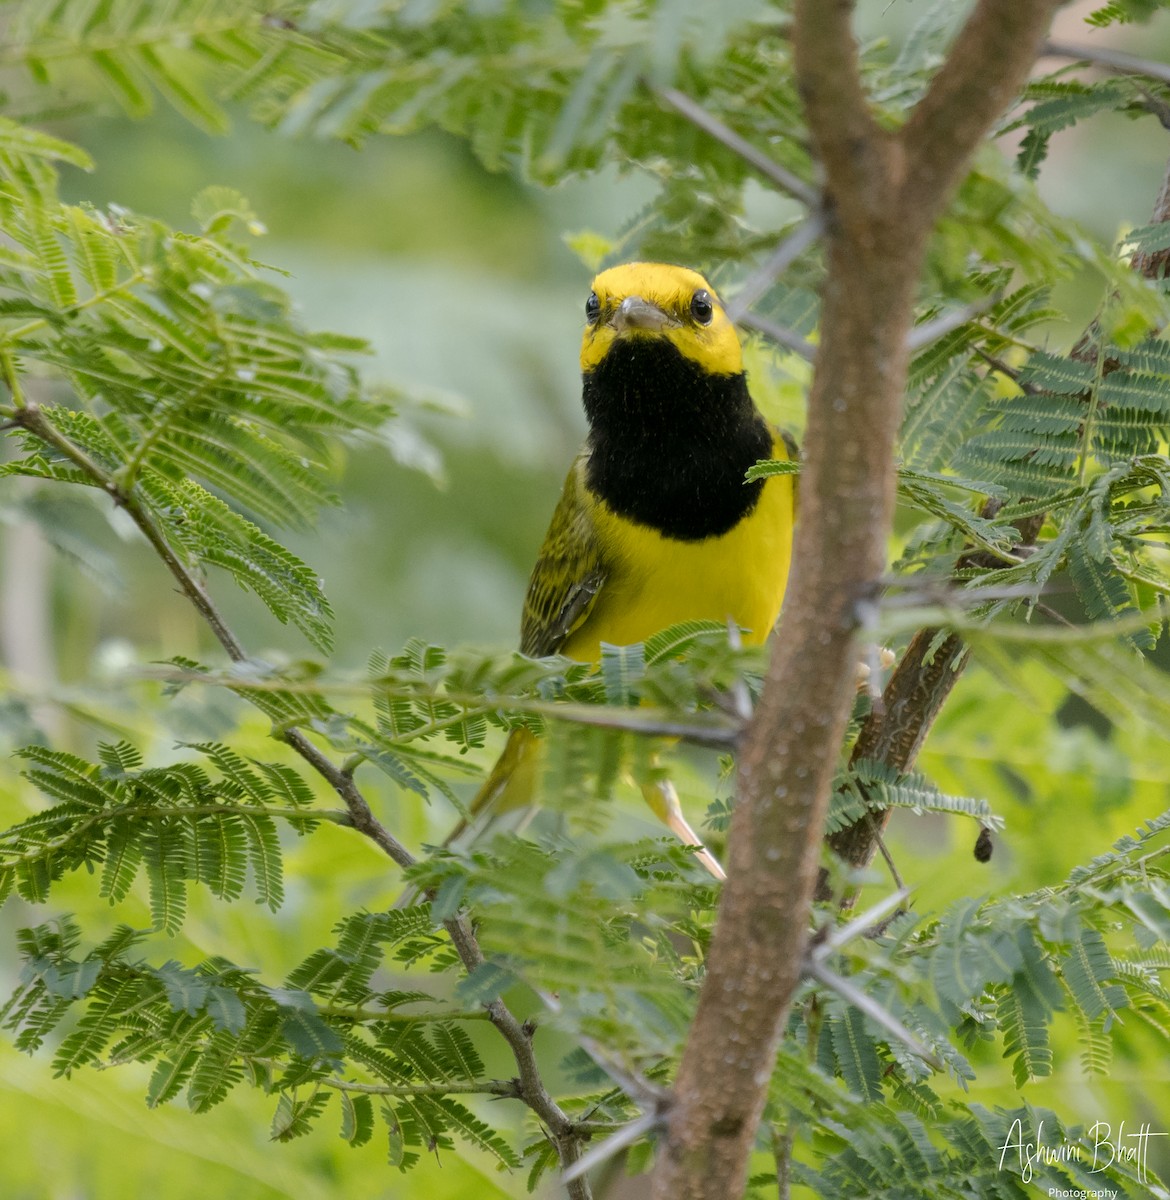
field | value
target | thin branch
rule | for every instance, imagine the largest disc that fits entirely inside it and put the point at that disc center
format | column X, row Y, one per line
column 782, row 1154
column 1156, row 105
column 561, row 1129
column 940, row 326
column 789, row 250
column 635, row 1085
column 983, row 72
column 359, row 810
column 858, row 925
column 395, row 1016
column 588, row 1126
column 475, row 1087
column 33, row 419
column 1111, row 60
column 531, row 1088
column 718, row 734
column 1002, row 368
column 627, row 1135
column 888, row 858
column 781, row 176
column 778, row 333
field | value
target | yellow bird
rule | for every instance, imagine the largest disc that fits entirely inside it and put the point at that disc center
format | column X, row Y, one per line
column 656, row 524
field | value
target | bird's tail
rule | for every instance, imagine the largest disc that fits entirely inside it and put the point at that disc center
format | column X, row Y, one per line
column 510, row 787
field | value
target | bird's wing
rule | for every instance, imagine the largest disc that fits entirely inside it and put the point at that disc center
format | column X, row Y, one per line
column 569, row 572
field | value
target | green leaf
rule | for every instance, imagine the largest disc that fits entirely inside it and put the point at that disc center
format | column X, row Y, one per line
column 302, row 1025
column 215, row 208
column 768, row 467
column 19, row 141
column 226, row 1010
column 1089, row 973
column 357, row 1118
column 162, row 851
column 216, row 1072
column 855, row 1053
column 265, row 858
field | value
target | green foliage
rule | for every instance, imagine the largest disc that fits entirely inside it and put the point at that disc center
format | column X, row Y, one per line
column 550, row 912
column 167, row 372
column 874, row 787
column 188, row 376
column 212, row 1027
column 179, row 823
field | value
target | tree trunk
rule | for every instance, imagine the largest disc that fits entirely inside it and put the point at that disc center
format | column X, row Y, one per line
column 883, row 193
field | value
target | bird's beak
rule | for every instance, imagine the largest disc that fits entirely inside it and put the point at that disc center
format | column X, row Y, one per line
column 636, row 313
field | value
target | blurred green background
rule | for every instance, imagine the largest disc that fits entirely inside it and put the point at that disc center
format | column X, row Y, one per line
column 469, row 296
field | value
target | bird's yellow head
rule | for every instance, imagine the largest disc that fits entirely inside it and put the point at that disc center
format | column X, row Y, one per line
column 656, row 300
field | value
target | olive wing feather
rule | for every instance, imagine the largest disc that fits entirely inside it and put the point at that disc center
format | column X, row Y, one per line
column 569, row 572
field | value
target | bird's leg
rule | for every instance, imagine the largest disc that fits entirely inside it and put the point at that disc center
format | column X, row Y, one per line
column 662, row 798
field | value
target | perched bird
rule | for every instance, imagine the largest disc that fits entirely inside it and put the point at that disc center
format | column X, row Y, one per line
column 656, row 524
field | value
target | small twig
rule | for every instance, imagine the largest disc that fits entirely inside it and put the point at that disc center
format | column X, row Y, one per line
column 395, row 1016
column 782, row 1153
column 531, row 1090
column 930, row 331
column 958, row 600
column 1053, row 615
column 887, row 857
column 848, row 991
column 31, row 418
column 530, row 1087
column 860, row 924
column 1157, row 106
column 782, row 177
column 11, row 378
column 789, row 250
column 636, row 1086
column 482, row 1087
column 1110, row 60
column 998, row 365
column 627, row 1135
column 1003, row 335
column 715, row 733
column 718, row 735
column 788, row 338
column 359, row 810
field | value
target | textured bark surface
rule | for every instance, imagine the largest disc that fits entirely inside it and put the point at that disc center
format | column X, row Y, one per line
column 894, row 732
column 883, row 193
column 923, row 679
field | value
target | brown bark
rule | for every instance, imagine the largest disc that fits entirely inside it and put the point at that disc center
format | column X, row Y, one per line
column 922, row 680
column 893, row 733
column 883, row 193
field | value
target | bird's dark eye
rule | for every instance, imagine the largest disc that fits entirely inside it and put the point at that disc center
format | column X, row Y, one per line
column 701, row 308
column 592, row 308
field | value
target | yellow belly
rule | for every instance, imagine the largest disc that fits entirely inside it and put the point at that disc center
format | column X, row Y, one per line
column 655, row 581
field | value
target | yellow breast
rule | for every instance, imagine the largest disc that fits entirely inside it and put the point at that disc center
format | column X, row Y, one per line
column 655, row 581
